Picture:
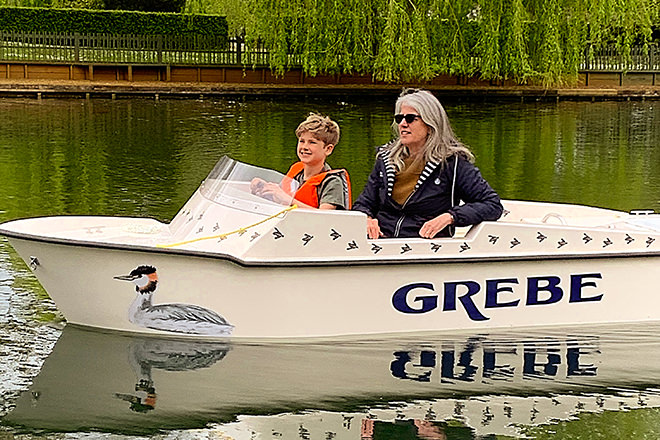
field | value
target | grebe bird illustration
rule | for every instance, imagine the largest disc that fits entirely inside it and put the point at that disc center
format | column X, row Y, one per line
column 180, row 318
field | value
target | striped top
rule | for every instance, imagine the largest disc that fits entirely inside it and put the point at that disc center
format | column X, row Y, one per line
column 391, row 172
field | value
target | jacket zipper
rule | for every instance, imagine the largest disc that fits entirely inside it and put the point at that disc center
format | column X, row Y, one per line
column 399, row 222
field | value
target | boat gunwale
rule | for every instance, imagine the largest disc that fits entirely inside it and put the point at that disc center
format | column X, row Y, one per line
column 325, row 263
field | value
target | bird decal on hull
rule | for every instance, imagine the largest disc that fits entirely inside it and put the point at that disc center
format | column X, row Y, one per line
column 178, row 318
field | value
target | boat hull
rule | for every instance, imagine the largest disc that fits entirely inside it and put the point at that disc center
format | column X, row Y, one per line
column 297, row 300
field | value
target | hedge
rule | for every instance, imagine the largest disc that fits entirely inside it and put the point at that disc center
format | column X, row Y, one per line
column 83, row 21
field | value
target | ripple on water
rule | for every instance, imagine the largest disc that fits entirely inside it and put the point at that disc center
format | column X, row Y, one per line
column 5, row 294
column 24, row 342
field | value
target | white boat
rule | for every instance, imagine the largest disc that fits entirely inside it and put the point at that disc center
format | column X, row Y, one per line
column 232, row 264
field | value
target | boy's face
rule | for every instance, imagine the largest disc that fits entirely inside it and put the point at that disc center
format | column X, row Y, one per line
column 312, row 151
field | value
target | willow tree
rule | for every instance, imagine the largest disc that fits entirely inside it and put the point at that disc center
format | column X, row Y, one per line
column 404, row 40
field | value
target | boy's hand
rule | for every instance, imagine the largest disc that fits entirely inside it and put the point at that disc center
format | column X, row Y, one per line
column 275, row 193
column 257, row 185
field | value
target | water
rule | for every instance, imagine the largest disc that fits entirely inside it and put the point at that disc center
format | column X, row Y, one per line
column 145, row 158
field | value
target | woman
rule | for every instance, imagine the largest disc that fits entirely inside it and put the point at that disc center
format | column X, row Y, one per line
column 419, row 178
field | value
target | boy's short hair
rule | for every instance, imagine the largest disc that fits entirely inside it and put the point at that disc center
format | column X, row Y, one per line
column 321, row 127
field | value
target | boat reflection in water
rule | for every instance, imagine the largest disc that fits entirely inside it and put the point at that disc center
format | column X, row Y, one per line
column 147, row 354
column 349, row 390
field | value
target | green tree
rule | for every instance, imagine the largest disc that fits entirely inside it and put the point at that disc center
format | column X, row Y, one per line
column 401, row 40
column 239, row 17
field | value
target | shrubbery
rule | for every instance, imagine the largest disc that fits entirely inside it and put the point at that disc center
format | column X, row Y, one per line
column 111, row 22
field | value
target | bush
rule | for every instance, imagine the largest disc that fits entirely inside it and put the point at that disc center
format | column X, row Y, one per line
column 146, row 5
column 69, row 21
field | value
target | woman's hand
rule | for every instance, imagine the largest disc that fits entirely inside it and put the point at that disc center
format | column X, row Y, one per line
column 373, row 230
column 431, row 228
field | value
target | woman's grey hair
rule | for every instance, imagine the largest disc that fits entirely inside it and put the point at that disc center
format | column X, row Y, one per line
column 441, row 142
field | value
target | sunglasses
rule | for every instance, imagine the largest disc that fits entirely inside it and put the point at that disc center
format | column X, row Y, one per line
column 410, row 117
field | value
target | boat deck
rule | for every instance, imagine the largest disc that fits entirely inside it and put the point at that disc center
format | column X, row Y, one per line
column 264, row 235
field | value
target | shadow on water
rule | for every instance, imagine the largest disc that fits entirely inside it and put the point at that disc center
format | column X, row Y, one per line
column 495, row 383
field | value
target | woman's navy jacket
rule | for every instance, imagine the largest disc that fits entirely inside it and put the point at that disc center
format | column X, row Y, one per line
column 431, row 197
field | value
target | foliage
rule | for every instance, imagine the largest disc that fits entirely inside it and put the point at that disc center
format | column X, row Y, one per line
column 403, row 40
column 77, row 4
column 114, row 22
column 146, row 5
column 26, row 3
column 126, row 5
column 540, row 41
column 238, row 17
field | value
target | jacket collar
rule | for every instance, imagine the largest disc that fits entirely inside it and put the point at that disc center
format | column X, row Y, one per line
column 390, row 171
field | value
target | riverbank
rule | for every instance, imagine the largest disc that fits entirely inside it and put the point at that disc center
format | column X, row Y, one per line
column 86, row 89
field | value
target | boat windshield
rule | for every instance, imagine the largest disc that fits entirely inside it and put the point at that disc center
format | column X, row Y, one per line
column 231, row 181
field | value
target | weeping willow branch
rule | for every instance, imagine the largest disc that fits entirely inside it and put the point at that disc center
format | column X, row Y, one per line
column 542, row 41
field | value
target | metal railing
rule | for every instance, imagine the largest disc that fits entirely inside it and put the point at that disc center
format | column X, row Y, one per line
column 126, row 49
column 212, row 50
column 611, row 59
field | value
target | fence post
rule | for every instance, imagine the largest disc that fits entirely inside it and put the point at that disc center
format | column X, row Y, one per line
column 159, row 48
column 76, row 47
column 239, row 50
column 587, row 54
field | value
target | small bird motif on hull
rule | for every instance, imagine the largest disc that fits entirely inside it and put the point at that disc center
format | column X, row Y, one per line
column 179, row 318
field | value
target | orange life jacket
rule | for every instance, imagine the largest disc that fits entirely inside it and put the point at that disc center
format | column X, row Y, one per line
column 308, row 191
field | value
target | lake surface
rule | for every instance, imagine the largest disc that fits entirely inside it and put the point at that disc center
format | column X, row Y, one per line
column 145, row 158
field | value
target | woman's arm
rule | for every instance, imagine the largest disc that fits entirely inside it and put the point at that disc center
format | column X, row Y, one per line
column 481, row 202
column 369, row 200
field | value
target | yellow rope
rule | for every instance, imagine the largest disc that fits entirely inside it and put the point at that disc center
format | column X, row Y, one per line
column 240, row 231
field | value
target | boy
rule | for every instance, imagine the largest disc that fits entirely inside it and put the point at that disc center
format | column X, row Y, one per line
column 311, row 181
